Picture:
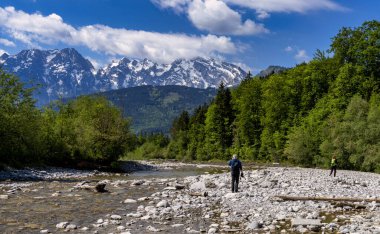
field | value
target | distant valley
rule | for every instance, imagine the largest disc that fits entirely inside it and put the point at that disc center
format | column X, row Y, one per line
column 153, row 108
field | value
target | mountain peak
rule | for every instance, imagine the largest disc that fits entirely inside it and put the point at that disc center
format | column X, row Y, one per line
column 66, row 73
column 271, row 70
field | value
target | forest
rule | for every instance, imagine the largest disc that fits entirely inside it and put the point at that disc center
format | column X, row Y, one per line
column 302, row 116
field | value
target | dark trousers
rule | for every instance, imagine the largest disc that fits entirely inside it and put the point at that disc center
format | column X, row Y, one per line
column 235, row 182
column 333, row 169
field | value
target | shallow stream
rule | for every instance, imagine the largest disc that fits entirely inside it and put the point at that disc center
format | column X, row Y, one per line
column 37, row 205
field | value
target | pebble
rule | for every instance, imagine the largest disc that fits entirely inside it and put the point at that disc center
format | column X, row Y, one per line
column 62, row 225
column 163, row 203
column 130, row 201
column 116, row 217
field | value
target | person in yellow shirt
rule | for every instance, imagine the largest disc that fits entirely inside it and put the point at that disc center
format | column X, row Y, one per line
column 333, row 166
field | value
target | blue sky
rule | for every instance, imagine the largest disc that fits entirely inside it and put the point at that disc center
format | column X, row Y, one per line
column 251, row 33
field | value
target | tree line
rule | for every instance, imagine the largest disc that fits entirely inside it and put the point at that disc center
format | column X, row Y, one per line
column 87, row 130
column 304, row 115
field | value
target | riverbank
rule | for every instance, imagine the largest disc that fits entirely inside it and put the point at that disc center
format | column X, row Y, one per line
column 201, row 202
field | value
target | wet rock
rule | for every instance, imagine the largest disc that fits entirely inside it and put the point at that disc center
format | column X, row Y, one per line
column 138, row 182
column 62, row 225
column 100, row 187
column 84, row 229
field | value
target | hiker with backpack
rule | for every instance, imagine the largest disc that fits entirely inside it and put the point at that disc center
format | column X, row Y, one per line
column 236, row 172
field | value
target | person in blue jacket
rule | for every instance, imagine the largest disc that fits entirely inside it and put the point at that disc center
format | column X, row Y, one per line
column 236, row 172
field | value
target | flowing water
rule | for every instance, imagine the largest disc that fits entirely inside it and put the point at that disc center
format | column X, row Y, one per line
column 35, row 206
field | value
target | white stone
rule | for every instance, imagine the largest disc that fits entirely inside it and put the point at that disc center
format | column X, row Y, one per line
column 162, row 203
column 116, row 217
column 177, row 225
column 71, row 227
column 198, row 186
column 62, row 225
column 152, row 229
column 212, row 231
column 129, row 201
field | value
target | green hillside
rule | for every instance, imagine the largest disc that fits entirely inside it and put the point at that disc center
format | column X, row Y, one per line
column 153, row 108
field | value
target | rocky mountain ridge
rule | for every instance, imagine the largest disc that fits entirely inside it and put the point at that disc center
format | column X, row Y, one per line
column 66, row 73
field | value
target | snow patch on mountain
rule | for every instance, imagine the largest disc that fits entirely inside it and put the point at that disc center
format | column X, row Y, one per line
column 66, row 73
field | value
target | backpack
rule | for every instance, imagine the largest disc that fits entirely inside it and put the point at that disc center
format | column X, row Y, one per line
column 235, row 166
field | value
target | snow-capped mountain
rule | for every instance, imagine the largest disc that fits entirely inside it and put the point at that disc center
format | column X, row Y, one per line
column 66, row 73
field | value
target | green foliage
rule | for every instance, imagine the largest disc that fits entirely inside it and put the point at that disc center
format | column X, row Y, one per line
column 19, row 123
column 154, row 108
column 87, row 128
column 303, row 115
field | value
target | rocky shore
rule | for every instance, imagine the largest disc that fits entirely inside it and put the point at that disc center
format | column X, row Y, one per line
column 204, row 203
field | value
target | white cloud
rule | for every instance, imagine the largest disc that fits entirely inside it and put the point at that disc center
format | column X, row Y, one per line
column 216, row 17
column 245, row 67
column 302, row 56
column 300, row 6
column 178, row 5
column 34, row 29
column 6, row 42
column 262, row 14
column 288, row 49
